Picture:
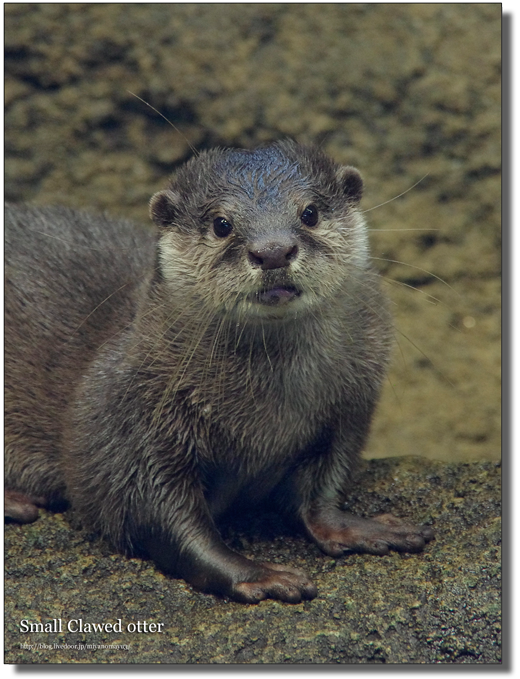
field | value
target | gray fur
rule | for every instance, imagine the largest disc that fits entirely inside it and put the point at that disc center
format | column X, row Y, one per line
column 148, row 386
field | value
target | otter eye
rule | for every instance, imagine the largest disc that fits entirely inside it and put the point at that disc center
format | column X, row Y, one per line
column 310, row 215
column 222, row 227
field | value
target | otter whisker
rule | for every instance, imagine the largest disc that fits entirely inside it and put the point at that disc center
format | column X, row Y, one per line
column 396, row 197
column 417, row 268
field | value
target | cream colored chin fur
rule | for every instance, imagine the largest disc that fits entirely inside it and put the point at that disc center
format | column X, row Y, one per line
column 233, row 295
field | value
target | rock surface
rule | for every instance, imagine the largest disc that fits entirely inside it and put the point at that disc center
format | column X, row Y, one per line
column 441, row 606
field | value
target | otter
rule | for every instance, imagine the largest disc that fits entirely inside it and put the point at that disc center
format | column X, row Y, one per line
column 156, row 380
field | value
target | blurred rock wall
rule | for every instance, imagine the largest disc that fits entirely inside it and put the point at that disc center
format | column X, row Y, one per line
column 406, row 92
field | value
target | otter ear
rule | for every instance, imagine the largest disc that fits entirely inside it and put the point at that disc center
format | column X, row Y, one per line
column 163, row 208
column 351, row 182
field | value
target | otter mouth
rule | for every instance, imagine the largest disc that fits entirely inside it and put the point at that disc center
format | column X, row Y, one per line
column 277, row 295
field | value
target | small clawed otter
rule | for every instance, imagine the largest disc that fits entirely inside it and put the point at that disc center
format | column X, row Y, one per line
column 157, row 380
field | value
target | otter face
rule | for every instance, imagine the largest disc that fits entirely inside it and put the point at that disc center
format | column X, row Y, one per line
column 264, row 234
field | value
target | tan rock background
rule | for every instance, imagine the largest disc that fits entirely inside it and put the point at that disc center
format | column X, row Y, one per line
column 405, row 92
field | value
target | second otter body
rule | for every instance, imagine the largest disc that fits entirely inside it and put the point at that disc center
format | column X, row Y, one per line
column 157, row 380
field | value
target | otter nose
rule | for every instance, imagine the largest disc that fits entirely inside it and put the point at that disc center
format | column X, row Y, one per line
column 273, row 255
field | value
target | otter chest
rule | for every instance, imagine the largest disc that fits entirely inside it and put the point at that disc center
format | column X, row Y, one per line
column 267, row 417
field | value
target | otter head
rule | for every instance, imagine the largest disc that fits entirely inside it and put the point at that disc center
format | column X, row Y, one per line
column 262, row 234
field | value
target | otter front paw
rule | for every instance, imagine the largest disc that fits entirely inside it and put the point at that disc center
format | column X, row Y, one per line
column 275, row 582
column 337, row 532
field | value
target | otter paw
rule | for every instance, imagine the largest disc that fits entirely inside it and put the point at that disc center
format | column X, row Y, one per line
column 20, row 507
column 344, row 532
column 275, row 582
